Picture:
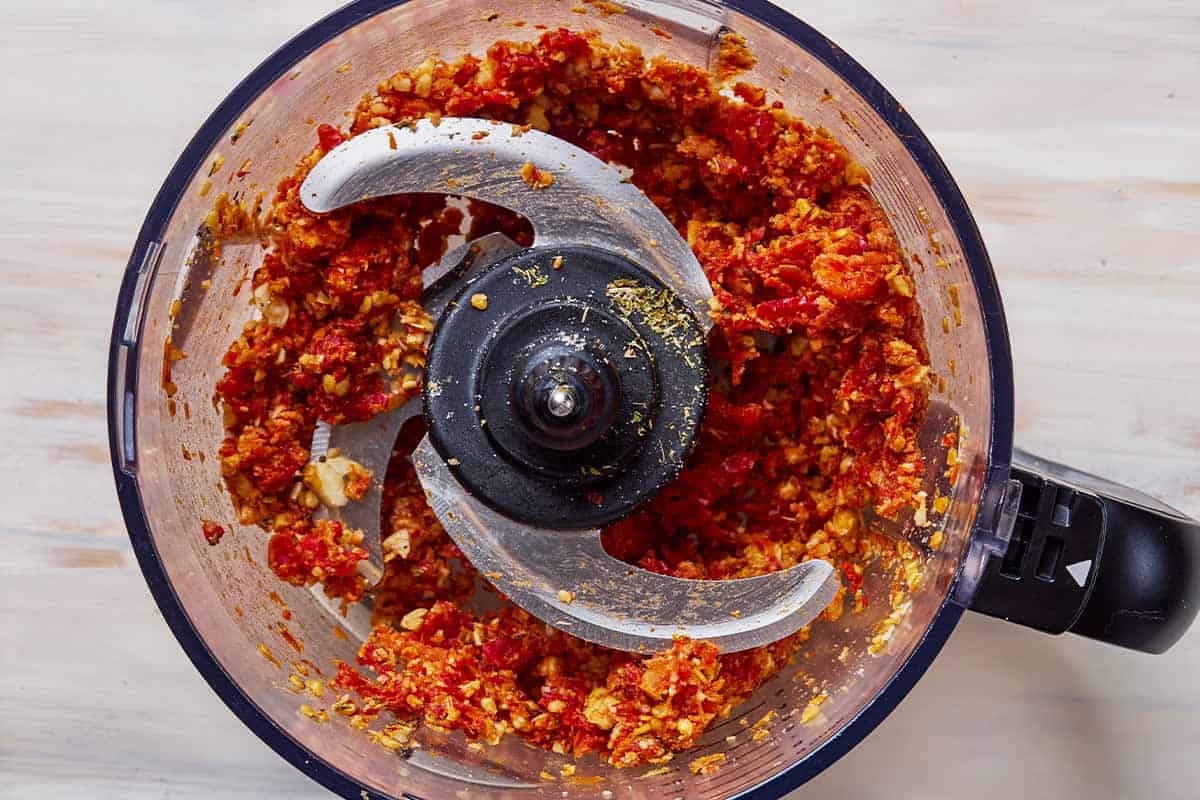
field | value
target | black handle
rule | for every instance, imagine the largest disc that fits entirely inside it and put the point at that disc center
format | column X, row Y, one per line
column 1095, row 558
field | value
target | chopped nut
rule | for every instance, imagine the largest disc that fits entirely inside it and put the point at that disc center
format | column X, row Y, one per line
column 789, row 490
column 565, row 596
column 337, row 480
column 401, row 731
column 267, row 654
column 345, row 706
column 900, row 284
column 600, row 708
column 479, row 300
column 385, row 741
column 315, row 714
column 844, row 522
column 240, row 130
column 549, row 666
column 857, row 175
column 274, row 310
column 398, row 544
column 707, row 765
column 412, row 620
column 766, row 719
column 812, row 709
column 536, row 178
column 424, row 84
column 921, row 516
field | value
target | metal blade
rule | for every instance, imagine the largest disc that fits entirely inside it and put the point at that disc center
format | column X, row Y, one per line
column 613, row 603
column 589, row 202
column 370, row 443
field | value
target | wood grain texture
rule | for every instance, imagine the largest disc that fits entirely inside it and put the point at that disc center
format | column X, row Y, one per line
column 1073, row 127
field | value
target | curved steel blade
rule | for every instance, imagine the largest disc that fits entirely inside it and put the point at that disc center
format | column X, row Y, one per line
column 613, row 603
column 589, row 202
column 370, row 443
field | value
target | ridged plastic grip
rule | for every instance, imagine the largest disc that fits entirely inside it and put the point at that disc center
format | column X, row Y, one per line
column 1094, row 558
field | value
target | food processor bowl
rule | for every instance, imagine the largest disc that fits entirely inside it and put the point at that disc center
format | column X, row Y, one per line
column 224, row 604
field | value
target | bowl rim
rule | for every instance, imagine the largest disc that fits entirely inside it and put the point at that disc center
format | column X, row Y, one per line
column 275, row 66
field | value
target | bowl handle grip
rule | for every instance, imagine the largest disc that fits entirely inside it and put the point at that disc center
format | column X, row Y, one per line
column 1094, row 558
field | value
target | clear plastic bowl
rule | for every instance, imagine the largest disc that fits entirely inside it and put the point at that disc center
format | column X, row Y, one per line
column 216, row 600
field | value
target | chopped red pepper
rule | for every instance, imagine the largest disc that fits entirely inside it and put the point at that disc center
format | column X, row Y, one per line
column 329, row 136
column 212, row 532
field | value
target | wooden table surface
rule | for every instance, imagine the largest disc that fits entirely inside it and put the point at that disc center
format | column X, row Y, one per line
column 1074, row 130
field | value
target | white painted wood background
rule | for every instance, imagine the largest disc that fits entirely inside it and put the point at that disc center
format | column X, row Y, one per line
column 1074, row 130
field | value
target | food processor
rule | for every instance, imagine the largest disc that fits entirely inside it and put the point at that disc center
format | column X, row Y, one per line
column 1022, row 538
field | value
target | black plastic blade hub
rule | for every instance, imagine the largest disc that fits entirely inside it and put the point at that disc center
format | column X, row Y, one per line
column 573, row 393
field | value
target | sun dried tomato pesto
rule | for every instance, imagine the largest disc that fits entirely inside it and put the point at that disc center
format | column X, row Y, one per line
column 819, row 382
